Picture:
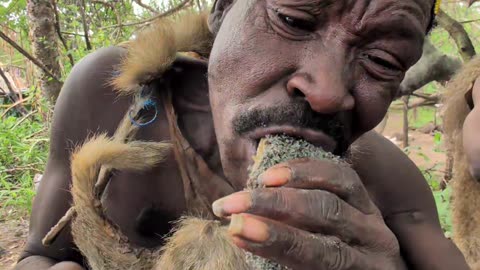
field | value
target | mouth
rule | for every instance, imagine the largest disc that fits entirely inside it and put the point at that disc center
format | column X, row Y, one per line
column 314, row 137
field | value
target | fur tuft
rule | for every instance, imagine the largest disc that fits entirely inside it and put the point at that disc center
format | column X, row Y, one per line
column 199, row 244
column 456, row 108
column 106, row 247
column 466, row 191
column 155, row 48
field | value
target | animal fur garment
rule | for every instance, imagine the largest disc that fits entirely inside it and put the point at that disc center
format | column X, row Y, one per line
column 104, row 246
column 466, row 190
column 155, row 48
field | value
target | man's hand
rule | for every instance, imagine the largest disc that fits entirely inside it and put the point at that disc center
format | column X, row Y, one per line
column 312, row 215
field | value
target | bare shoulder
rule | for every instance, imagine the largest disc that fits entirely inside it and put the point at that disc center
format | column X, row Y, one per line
column 393, row 180
column 85, row 105
column 87, row 96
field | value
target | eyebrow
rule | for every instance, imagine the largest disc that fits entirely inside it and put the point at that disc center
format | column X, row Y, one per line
column 394, row 28
column 404, row 20
column 316, row 6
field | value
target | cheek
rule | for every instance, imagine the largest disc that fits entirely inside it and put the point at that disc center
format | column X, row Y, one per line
column 372, row 100
column 248, row 57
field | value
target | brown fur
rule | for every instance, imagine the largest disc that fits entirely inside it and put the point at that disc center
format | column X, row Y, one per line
column 155, row 48
column 466, row 191
column 103, row 245
column 100, row 241
column 199, row 244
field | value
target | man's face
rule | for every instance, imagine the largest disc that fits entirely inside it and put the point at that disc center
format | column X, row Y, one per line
column 322, row 70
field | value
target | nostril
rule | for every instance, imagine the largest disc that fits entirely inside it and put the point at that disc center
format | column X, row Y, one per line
column 298, row 93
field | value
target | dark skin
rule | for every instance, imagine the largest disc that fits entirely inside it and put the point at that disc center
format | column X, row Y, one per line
column 471, row 129
column 331, row 217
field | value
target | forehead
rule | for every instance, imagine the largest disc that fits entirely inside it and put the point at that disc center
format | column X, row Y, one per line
column 421, row 7
column 358, row 10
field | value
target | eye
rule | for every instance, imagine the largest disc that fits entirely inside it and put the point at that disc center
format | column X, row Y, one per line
column 296, row 23
column 383, row 62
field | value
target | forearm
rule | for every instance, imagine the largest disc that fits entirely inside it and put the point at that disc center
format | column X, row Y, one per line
column 44, row 263
column 471, row 131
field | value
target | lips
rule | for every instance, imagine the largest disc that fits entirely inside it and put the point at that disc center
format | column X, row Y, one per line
column 314, row 137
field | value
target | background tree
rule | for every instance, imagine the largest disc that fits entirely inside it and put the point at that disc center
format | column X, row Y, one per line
column 41, row 15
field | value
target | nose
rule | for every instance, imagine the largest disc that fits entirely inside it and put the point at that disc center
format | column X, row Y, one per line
column 323, row 88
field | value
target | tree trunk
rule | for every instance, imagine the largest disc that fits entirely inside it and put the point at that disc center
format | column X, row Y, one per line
column 41, row 16
column 405, row 100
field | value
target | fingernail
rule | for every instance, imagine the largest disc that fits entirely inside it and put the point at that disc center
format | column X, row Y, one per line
column 275, row 176
column 248, row 228
column 233, row 204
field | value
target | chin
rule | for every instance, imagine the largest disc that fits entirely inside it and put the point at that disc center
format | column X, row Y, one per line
column 237, row 157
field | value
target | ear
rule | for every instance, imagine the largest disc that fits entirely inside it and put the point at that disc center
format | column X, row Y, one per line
column 219, row 10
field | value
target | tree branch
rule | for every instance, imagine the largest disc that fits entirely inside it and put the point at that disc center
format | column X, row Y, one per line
column 179, row 7
column 59, row 32
column 13, row 96
column 28, row 56
column 145, row 6
column 433, row 66
column 85, row 25
column 110, row 5
column 459, row 35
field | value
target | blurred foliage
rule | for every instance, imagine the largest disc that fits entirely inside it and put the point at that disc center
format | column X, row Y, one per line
column 442, row 199
column 23, row 150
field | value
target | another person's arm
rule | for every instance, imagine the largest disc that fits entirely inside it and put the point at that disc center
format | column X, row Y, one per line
column 81, row 110
column 471, row 133
column 406, row 201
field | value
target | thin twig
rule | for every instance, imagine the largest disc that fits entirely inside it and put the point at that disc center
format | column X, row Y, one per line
column 145, row 6
column 13, row 106
column 13, row 95
column 85, row 25
column 28, row 56
column 165, row 14
column 36, row 133
column 53, row 233
column 22, row 168
column 23, row 119
column 59, row 32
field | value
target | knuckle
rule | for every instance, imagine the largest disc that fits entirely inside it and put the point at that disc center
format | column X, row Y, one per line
column 391, row 245
column 298, row 247
column 340, row 257
column 354, row 184
column 331, row 207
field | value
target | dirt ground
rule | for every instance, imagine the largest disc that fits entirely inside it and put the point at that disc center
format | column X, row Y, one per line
column 13, row 232
column 423, row 150
column 14, row 226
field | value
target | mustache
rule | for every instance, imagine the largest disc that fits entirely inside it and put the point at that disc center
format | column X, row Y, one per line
column 294, row 114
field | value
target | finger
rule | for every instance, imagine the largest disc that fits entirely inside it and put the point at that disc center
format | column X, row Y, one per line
column 339, row 179
column 290, row 246
column 316, row 211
